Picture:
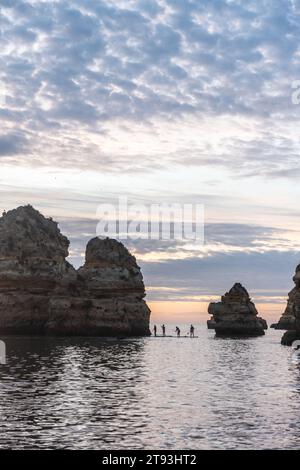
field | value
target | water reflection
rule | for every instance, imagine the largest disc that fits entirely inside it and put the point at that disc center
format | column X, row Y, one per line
column 55, row 391
column 149, row 393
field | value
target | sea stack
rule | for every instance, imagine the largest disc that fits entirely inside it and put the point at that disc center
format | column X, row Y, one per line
column 293, row 312
column 287, row 319
column 41, row 292
column 236, row 314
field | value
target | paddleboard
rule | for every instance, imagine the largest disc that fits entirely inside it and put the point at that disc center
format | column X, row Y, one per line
column 171, row 336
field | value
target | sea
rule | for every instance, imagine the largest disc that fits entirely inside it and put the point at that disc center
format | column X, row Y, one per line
column 150, row 393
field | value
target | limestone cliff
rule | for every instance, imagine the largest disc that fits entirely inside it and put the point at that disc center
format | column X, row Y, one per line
column 287, row 319
column 236, row 314
column 293, row 312
column 41, row 293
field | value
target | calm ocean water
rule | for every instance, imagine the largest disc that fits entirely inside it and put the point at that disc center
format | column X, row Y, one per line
column 150, row 393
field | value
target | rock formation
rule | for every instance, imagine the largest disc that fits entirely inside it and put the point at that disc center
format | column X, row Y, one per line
column 41, row 293
column 211, row 324
column 286, row 322
column 293, row 312
column 287, row 319
column 236, row 315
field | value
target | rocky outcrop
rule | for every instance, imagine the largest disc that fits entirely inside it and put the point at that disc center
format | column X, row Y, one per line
column 236, row 315
column 287, row 319
column 293, row 312
column 286, row 322
column 41, row 293
column 211, row 324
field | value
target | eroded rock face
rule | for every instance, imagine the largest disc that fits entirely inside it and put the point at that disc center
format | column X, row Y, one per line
column 211, row 324
column 287, row 319
column 236, row 315
column 32, row 252
column 293, row 312
column 110, row 267
column 41, row 293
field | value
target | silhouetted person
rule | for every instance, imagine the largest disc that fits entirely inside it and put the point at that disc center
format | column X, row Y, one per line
column 154, row 330
column 192, row 330
column 163, row 330
column 178, row 332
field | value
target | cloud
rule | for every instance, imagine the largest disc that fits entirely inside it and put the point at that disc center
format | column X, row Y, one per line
column 165, row 100
column 12, row 143
column 262, row 258
column 95, row 65
column 263, row 274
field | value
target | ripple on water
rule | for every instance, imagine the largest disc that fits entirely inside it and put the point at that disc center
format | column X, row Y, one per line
column 80, row 393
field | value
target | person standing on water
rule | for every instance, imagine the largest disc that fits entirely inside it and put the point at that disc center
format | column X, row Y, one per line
column 177, row 331
column 192, row 329
column 154, row 330
column 163, row 330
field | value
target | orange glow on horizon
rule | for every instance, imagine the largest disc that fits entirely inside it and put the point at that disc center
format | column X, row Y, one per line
column 167, row 311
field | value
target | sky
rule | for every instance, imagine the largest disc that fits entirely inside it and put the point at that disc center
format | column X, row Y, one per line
column 161, row 101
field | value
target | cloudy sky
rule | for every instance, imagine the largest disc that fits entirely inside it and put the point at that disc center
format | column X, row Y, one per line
column 161, row 101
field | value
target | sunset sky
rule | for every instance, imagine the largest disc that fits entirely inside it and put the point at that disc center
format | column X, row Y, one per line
column 161, row 101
